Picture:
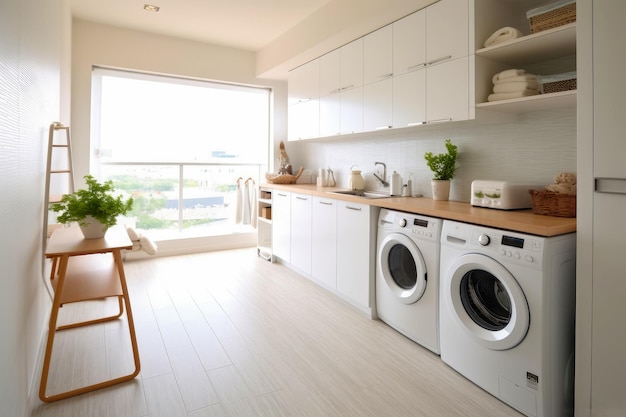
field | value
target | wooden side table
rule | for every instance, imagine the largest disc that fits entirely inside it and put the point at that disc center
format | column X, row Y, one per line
column 80, row 272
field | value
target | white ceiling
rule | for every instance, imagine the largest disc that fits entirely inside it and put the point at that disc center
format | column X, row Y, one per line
column 244, row 24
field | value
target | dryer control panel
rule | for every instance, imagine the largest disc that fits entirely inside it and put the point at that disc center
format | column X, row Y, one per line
column 513, row 246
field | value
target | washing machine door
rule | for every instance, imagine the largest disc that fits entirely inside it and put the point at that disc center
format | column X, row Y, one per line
column 402, row 267
column 487, row 301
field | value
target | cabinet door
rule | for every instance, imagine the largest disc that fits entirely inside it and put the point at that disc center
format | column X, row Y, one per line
column 351, row 118
column 447, row 91
column 377, row 105
column 409, row 99
column 330, row 73
column 447, row 29
column 303, row 82
column 324, row 241
column 352, row 64
column 281, row 225
column 377, row 55
column 304, row 120
column 330, row 115
column 301, row 232
column 409, row 43
column 353, row 252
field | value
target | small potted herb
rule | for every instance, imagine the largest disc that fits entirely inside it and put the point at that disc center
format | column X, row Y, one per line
column 443, row 167
column 93, row 208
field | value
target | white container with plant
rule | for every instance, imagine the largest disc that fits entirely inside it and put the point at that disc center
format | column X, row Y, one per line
column 443, row 166
column 95, row 208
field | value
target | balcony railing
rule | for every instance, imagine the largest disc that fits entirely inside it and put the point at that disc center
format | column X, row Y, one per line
column 182, row 199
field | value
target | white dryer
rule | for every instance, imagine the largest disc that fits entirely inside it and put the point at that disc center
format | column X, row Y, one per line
column 507, row 309
column 407, row 275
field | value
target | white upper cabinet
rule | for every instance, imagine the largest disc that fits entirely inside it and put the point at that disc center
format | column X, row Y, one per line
column 378, row 105
column 447, row 91
column 330, row 73
column 447, row 29
column 409, row 43
column 378, row 55
column 409, row 99
column 304, row 82
column 352, row 64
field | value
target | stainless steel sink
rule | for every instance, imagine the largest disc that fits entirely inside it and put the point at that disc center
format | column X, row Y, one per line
column 364, row 194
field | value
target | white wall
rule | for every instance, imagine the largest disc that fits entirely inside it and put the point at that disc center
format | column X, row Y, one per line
column 531, row 150
column 34, row 51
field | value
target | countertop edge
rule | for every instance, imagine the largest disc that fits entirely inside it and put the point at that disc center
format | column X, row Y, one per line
column 522, row 221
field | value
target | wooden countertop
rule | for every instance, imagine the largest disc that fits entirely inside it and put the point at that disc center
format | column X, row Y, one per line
column 523, row 221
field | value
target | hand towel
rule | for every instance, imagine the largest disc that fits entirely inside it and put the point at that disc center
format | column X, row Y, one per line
column 245, row 219
column 254, row 211
column 504, row 34
column 516, row 78
column 516, row 86
column 239, row 203
column 508, row 96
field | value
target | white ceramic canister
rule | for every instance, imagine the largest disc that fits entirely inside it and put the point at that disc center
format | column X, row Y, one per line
column 356, row 182
column 396, row 184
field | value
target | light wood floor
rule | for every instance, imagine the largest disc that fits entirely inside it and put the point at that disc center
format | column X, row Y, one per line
column 230, row 334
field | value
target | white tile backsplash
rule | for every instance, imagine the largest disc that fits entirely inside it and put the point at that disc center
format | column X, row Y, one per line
column 531, row 150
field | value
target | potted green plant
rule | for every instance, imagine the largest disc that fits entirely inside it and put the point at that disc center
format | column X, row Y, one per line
column 443, row 166
column 94, row 208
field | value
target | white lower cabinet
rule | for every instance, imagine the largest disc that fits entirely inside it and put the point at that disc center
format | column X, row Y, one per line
column 281, row 225
column 301, row 232
column 324, row 241
column 356, row 250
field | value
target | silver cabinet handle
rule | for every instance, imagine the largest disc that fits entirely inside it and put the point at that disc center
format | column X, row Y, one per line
column 610, row 185
column 383, row 127
column 449, row 119
column 354, row 208
column 416, row 66
column 416, row 124
column 301, row 198
column 326, row 203
column 281, row 195
column 438, row 60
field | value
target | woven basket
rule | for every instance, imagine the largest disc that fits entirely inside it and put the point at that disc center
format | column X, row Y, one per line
column 556, row 86
column 553, row 18
column 550, row 203
column 283, row 178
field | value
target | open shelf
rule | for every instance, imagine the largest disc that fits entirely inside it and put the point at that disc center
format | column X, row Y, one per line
column 562, row 99
column 548, row 44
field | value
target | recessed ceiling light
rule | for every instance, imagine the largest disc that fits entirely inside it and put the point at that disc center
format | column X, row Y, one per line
column 151, row 8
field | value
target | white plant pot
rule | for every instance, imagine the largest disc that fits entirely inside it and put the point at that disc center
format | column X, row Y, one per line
column 441, row 189
column 94, row 229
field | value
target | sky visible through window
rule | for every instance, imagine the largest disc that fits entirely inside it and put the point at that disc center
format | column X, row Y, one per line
column 147, row 121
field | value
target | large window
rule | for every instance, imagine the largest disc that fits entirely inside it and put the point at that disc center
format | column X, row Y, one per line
column 179, row 147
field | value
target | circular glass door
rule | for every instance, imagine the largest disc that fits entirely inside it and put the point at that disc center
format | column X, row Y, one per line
column 487, row 301
column 402, row 267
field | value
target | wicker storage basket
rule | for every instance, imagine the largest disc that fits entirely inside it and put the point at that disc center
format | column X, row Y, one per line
column 552, row 15
column 550, row 203
column 283, row 178
column 558, row 82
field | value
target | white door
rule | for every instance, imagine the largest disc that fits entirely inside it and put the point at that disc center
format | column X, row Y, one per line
column 324, row 241
column 281, row 225
column 486, row 301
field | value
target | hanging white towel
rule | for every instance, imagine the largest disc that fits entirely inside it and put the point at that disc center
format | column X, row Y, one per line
column 246, row 204
column 239, row 203
column 254, row 212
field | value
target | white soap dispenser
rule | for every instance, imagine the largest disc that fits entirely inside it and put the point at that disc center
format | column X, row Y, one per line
column 396, row 184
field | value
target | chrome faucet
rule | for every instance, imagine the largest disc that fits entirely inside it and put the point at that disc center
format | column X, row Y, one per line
column 382, row 180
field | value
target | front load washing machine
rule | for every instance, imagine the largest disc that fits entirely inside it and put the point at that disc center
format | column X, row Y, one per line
column 407, row 275
column 507, row 307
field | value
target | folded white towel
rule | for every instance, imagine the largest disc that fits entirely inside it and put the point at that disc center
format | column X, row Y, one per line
column 504, row 34
column 507, row 74
column 516, row 86
column 147, row 245
column 508, row 96
column 516, row 78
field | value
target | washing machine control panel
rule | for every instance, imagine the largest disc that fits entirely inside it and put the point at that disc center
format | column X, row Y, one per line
column 422, row 228
column 511, row 246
